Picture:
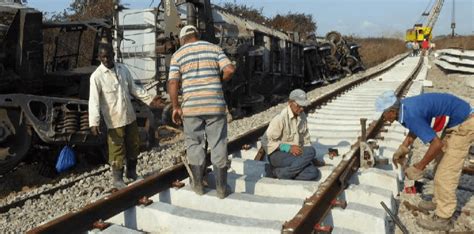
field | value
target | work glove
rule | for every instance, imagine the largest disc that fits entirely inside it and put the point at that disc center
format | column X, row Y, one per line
column 413, row 173
column 295, row 150
column 399, row 157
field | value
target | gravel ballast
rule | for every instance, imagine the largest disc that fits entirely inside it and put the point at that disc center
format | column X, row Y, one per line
column 459, row 85
column 89, row 188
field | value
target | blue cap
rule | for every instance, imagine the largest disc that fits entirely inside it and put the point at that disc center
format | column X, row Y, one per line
column 384, row 101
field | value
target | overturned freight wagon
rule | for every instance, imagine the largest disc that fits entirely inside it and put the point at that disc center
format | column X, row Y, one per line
column 44, row 85
column 268, row 61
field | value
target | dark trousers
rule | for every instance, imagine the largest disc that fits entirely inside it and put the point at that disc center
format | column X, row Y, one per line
column 287, row 166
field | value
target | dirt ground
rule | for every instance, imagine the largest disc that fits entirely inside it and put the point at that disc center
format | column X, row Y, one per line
column 457, row 84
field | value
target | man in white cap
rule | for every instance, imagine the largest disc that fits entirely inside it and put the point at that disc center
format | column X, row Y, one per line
column 424, row 115
column 287, row 142
column 199, row 67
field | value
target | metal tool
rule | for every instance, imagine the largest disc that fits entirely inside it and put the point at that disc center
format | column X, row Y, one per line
column 395, row 218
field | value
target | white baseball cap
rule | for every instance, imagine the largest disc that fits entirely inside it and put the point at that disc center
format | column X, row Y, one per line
column 186, row 30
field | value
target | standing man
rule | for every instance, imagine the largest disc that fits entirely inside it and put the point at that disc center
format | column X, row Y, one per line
column 424, row 115
column 425, row 45
column 110, row 87
column 287, row 142
column 197, row 66
column 416, row 48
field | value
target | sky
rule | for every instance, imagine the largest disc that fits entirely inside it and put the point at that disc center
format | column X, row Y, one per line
column 364, row 18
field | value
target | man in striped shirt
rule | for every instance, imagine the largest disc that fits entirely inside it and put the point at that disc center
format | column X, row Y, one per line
column 197, row 68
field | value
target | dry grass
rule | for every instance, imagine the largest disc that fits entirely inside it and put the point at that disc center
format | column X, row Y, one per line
column 377, row 50
column 462, row 42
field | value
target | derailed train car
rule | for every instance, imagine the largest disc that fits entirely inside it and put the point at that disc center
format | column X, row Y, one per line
column 44, row 85
column 44, row 90
column 268, row 61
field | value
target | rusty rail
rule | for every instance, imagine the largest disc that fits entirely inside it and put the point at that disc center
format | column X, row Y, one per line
column 319, row 205
column 128, row 197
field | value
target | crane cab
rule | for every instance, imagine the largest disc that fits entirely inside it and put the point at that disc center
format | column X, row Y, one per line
column 418, row 33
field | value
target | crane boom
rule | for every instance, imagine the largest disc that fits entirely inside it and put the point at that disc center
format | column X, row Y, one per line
column 434, row 13
column 420, row 32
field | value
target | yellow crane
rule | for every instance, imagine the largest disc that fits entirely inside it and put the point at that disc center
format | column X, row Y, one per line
column 419, row 32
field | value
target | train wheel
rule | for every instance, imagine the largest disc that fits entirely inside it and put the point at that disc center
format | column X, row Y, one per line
column 347, row 71
column 351, row 61
column 333, row 47
column 15, row 139
column 334, row 37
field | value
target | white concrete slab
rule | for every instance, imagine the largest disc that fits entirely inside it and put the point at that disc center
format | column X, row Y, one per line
column 115, row 229
column 450, row 67
column 267, row 186
column 369, row 196
column 248, row 167
column 356, row 217
column 377, row 178
column 162, row 217
column 236, row 204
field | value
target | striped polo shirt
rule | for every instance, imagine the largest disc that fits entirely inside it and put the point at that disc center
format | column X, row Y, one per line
column 198, row 66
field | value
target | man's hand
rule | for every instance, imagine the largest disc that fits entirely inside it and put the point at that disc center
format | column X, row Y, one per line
column 414, row 173
column 157, row 103
column 95, row 130
column 177, row 115
column 399, row 157
column 296, row 150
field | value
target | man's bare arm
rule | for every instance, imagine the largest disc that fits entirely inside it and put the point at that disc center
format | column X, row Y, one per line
column 409, row 139
column 228, row 71
column 173, row 87
column 433, row 151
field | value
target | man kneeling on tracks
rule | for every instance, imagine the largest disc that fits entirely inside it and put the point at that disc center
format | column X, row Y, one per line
column 198, row 65
column 424, row 115
column 287, row 141
column 110, row 87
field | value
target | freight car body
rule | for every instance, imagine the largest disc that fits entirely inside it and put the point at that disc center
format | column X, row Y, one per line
column 268, row 61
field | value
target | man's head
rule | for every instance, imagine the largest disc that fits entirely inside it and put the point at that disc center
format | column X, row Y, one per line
column 106, row 55
column 389, row 105
column 188, row 34
column 297, row 101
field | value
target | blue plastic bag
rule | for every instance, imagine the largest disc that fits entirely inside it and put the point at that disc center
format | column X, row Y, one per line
column 66, row 159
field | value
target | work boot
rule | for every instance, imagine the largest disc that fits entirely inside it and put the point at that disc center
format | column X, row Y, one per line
column 318, row 163
column 117, row 180
column 435, row 223
column 196, row 183
column 427, row 205
column 132, row 169
column 221, row 182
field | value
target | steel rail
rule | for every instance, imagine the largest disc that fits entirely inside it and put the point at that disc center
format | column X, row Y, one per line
column 128, row 197
column 319, row 205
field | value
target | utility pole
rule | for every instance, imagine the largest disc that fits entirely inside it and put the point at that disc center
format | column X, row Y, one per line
column 453, row 20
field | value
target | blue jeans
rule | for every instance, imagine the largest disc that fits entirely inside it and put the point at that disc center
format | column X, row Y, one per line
column 214, row 127
column 287, row 166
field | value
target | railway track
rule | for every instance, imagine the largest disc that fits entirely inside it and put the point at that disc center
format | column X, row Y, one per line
column 258, row 120
column 259, row 203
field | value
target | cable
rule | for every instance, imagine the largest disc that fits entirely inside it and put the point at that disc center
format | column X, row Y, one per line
column 151, row 3
column 423, row 17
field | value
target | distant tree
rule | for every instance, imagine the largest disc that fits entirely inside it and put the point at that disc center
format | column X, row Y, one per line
column 246, row 12
column 89, row 9
column 296, row 22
